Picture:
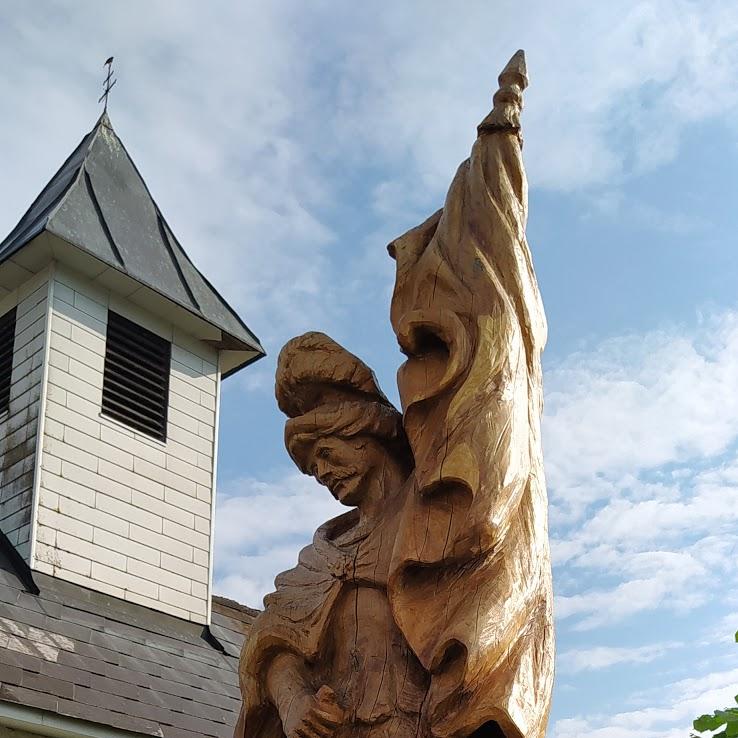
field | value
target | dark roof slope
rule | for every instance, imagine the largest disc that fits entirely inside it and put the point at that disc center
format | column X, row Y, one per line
column 83, row 654
column 99, row 203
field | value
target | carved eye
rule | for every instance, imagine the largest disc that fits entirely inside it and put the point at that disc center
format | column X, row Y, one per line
column 323, row 453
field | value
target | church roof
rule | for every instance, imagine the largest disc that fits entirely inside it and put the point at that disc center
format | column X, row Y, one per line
column 77, row 653
column 99, row 203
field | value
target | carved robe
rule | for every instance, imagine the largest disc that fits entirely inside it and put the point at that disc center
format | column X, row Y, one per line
column 338, row 587
column 470, row 581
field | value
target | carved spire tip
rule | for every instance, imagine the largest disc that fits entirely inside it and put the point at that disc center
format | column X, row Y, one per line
column 515, row 71
column 508, row 100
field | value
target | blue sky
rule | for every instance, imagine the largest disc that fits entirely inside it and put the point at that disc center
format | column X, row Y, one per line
column 287, row 143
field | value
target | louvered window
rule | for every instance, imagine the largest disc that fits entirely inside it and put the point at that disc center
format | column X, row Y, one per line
column 7, row 342
column 136, row 378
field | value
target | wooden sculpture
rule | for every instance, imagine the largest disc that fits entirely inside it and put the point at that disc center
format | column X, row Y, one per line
column 426, row 609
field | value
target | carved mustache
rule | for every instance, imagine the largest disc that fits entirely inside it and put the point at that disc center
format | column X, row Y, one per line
column 332, row 477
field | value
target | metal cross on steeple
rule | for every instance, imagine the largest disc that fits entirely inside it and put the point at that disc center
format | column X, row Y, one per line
column 107, row 84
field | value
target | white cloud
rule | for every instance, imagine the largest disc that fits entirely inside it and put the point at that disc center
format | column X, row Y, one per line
column 679, row 703
column 627, row 523
column 603, row 657
column 598, row 607
column 260, row 528
column 613, row 87
column 252, row 122
column 638, row 403
column 247, row 577
column 617, row 204
column 640, row 437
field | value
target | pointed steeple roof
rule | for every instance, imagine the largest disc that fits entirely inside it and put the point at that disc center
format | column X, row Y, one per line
column 99, row 203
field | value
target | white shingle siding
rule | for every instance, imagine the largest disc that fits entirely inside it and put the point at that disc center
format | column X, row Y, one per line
column 19, row 426
column 119, row 511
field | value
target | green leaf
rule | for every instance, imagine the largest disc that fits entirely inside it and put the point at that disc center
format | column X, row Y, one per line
column 708, row 722
column 726, row 716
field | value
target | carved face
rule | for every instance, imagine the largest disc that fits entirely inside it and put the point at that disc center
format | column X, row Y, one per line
column 346, row 466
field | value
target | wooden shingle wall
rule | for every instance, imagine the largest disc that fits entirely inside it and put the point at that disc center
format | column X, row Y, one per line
column 19, row 425
column 118, row 511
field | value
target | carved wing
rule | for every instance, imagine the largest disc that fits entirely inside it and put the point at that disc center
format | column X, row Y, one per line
column 470, row 582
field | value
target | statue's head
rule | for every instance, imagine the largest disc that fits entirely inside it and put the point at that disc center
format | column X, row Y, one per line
column 344, row 448
column 342, row 430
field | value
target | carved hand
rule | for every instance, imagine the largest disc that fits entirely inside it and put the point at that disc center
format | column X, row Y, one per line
column 313, row 715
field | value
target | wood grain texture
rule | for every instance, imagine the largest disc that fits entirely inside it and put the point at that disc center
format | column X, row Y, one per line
column 427, row 609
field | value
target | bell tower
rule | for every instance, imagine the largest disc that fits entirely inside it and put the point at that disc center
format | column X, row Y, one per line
column 113, row 347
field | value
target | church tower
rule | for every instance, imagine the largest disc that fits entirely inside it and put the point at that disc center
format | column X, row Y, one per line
column 112, row 350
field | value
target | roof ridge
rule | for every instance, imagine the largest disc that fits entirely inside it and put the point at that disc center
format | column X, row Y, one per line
column 163, row 228
column 234, row 605
column 92, row 135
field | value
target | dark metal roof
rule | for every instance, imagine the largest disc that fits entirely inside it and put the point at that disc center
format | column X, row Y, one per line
column 78, row 653
column 99, row 203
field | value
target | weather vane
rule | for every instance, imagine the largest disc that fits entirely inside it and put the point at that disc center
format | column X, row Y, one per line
column 107, row 84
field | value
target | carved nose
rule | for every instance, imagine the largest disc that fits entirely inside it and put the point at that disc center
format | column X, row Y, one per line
column 323, row 469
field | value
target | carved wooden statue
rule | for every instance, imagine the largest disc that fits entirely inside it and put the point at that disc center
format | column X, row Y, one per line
column 426, row 609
